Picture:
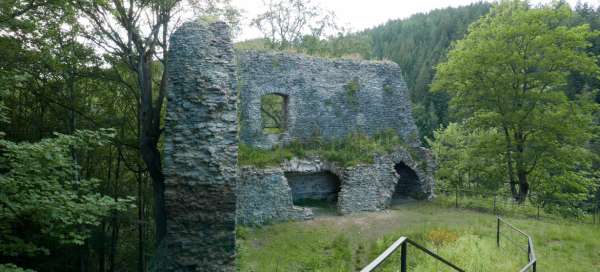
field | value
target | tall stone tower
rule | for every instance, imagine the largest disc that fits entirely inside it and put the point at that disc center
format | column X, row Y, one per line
column 200, row 151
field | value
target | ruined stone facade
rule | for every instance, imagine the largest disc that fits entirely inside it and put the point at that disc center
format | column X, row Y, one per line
column 200, row 164
column 206, row 191
column 327, row 98
column 324, row 98
column 266, row 195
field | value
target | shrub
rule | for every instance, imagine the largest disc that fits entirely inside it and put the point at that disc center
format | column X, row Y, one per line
column 441, row 237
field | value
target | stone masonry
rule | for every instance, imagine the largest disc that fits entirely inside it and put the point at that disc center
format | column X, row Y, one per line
column 328, row 99
column 265, row 195
column 325, row 98
column 201, row 138
column 206, row 192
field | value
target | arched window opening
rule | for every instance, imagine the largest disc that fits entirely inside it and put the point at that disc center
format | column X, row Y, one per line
column 408, row 186
column 273, row 110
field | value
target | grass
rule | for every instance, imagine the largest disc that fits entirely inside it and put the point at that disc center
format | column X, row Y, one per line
column 465, row 237
column 506, row 206
column 351, row 150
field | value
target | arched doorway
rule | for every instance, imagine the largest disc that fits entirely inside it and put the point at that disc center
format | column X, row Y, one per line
column 408, row 186
column 318, row 190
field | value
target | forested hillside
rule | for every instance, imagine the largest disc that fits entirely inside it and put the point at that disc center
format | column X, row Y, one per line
column 417, row 44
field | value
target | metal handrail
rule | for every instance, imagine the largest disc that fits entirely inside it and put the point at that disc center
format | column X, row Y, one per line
column 530, row 250
column 402, row 242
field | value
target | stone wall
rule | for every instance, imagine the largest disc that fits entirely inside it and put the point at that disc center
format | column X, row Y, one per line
column 370, row 187
column 315, row 186
column 200, row 164
column 326, row 98
column 265, row 195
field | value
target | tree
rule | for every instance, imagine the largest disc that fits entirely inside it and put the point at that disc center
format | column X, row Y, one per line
column 467, row 157
column 509, row 74
column 44, row 200
column 135, row 35
column 286, row 22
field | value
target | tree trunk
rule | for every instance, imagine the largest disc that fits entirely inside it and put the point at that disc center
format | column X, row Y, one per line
column 114, row 241
column 523, row 186
column 149, row 117
column 101, row 250
column 509, row 164
column 141, row 224
column 115, row 220
column 521, row 169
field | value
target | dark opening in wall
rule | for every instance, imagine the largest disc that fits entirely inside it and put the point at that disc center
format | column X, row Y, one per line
column 408, row 186
column 273, row 110
column 314, row 189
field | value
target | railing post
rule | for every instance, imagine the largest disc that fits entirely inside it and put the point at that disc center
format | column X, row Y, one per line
column 498, row 232
column 403, row 257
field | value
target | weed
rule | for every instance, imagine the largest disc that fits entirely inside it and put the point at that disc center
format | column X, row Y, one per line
column 351, row 150
column 440, row 237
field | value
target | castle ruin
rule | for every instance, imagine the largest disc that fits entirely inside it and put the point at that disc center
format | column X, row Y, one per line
column 214, row 104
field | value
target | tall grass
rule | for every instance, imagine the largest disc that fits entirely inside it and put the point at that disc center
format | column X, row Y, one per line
column 353, row 149
column 464, row 237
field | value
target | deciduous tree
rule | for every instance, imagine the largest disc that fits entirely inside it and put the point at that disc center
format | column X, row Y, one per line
column 286, row 22
column 509, row 74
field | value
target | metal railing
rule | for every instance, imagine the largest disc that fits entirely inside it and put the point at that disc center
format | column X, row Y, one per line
column 531, row 258
column 402, row 243
column 536, row 206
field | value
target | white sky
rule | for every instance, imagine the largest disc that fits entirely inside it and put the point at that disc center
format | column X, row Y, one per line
column 361, row 14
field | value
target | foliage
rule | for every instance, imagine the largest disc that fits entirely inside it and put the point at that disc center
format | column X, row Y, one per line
column 352, row 88
column 272, row 109
column 285, row 23
column 218, row 10
column 248, row 155
column 417, row 44
column 55, row 81
column 440, row 237
column 536, row 206
column 44, row 199
column 12, row 268
column 509, row 75
column 468, row 157
column 353, row 149
column 3, row 109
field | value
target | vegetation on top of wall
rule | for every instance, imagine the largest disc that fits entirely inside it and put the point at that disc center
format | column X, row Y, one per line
column 353, row 149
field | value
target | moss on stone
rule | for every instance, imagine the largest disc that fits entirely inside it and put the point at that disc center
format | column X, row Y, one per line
column 388, row 88
column 352, row 87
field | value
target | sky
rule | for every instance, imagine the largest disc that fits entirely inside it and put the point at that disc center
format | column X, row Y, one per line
column 360, row 14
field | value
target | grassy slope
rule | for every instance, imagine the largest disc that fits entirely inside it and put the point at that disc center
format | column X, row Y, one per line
column 467, row 238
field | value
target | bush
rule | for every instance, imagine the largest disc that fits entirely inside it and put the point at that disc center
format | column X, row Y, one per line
column 441, row 237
